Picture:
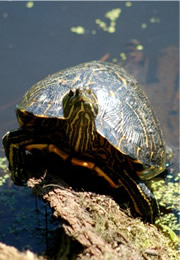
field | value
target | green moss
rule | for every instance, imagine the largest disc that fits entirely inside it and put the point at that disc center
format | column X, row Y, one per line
column 115, row 226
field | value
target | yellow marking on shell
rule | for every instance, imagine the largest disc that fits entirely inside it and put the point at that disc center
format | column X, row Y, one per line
column 112, row 93
column 151, row 154
column 142, row 122
column 91, row 83
column 42, row 115
column 122, row 79
column 119, row 144
column 62, row 81
column 121, row 128
column 20, row 122
column 161, row 169
column 75, row 79
column 137, row 161
column 137, row 153
column 151, row 167
column 48, row 106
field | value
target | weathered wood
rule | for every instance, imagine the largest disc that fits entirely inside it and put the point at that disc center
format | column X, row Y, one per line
column 78, row 223
column 97, row 223
column 10, row 252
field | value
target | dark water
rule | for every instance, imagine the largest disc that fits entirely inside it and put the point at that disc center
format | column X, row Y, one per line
column 35, row 42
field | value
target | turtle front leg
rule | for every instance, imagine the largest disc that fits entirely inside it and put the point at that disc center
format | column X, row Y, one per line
column 14, row 143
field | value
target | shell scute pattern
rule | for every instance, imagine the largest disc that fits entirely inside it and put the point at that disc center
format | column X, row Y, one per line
column 125, row 116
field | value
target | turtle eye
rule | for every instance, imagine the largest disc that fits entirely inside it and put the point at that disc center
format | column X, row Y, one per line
column 71, row 93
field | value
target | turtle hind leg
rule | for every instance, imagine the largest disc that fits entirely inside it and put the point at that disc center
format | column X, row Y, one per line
column 143, row 201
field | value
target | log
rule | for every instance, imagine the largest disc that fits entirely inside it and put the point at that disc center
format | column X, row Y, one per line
column 97, row 225
column 10, row 252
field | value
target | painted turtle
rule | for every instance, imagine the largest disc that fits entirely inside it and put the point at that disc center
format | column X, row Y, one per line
column 96, row 116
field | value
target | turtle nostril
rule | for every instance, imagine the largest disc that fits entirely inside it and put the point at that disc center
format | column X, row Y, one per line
column 77, row 92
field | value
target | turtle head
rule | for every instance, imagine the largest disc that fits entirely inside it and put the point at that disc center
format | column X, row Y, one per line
column 80, row 107
column 81, row 101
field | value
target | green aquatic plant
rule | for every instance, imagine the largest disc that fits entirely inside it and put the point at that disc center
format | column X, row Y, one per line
column 167, row 193
column 3, row 170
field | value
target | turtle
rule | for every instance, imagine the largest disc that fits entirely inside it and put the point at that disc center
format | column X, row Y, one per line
column 93, row 115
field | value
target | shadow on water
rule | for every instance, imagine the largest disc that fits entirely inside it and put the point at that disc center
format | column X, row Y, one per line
column 48, row 37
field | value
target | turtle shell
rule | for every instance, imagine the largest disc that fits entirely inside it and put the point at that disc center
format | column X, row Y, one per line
column 125, row 116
